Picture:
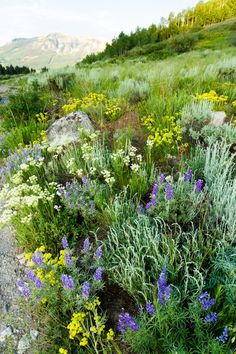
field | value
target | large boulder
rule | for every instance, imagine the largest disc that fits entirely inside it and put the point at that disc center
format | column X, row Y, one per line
column 66, row 129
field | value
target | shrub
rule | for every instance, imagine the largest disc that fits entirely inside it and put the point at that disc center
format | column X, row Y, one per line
column 184, row 42
column 134, row 91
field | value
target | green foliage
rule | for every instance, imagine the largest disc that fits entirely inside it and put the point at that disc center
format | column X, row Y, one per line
column 25, row 105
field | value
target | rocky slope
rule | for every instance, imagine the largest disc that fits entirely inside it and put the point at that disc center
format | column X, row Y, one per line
column 53, row 50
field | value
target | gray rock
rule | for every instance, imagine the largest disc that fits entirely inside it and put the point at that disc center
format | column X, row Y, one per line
column 34, row 334
column 65, row 130
column 24, row 344
column 7, row 332
column 218, row 119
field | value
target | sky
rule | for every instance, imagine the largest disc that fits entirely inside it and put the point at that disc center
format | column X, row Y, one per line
column 88, row 18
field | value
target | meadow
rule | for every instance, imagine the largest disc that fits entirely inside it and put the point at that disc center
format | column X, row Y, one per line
column 130, row 234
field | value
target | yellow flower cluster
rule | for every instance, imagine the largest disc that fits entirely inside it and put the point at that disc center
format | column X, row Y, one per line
column 234, row 103
column 42, row 117
column 108, row 106
column 48, row 273
column 85, row 325
column 63, row 351
column 167, row 134
column 211, row 96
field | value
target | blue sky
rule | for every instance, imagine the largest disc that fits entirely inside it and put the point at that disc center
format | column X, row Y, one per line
column 88, row 18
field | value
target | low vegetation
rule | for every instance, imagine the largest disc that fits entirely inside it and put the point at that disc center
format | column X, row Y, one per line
column 130, row 234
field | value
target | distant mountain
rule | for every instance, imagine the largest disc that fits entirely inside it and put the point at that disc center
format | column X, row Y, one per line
column 54, row 50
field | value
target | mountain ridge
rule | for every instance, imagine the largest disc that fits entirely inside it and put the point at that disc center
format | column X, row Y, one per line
column 52, row 50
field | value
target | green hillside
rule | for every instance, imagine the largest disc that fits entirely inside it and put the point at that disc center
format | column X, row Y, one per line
column 216, row 36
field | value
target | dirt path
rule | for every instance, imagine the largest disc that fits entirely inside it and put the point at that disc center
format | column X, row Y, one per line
column 13, row 331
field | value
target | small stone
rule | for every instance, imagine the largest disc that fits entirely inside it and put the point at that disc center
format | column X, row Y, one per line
column 20, row 256
column 7, row 332
column 34, row 334
column 218, row 119
column 24, row 344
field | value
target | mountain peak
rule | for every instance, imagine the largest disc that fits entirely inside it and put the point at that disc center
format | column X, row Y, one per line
column 52, row 50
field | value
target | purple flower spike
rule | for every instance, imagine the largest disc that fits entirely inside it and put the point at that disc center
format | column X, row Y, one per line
column 148, row 205
column 188, row 175
column 154, row 200
column 169, row 191
column 224, row 336
column 162, row 178
column 65, row 243
column 155, row 189
column 205, row 301
column 98, row 274
column 20, row 283
column 86, row 245
column 85, row 289
column 199, row 185
column 150, row 308
column 38, row 282
column 126, row 321
column 68, row 259
column 24, row 289
column 98, row 253
column 31, row 275
column 67, row 281
column 139, row 209
column 37, row 257
column 164, row 290
column 211, row 317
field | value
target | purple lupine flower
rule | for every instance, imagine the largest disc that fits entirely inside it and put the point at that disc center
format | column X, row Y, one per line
column 98, row 274
column 86, row 180
column 31, row 275
column 169, row 191
column 154, row 199
column 98, row 253
column 224, row 336
column 38, row 282
column 148, row 205
column 85, row 289
column 68, row 259
column 205, row 300
column 24, row 289
column 86, row 245
column 211, row 317
column 155, row 189
column 126, row 321
column 188, row 175
column 65, row 243
column 150, row 308
column 139, row 209
column 37, row 257
column 140, row 309
column 162, row 178
column 20, row 282
column 199, row 185
column 164, row 290
column 67, row 281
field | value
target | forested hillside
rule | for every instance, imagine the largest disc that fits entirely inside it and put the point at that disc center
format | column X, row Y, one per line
column 189, row 20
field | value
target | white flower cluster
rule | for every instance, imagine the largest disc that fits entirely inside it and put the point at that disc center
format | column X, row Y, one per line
column 20, row 199
column 129, row 157
column 86, row 152
column 108, row 178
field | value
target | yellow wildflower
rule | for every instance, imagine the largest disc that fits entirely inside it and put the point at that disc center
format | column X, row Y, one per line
column 63, row 351
column 83, row 342
column 110, row 334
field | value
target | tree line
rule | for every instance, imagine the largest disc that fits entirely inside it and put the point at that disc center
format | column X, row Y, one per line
column 15, row 70
column 192, row 19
